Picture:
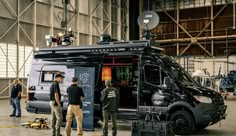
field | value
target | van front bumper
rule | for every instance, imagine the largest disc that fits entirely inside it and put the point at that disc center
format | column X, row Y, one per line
column 209, row 114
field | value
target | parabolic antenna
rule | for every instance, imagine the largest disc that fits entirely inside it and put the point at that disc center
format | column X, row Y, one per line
column 148, row 20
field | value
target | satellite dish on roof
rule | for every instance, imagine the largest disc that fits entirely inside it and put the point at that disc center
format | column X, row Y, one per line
column 148, row 20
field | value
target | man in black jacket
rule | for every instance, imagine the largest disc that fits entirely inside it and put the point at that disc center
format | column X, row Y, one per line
column 110, row 105
column 75, row 97
column 55, row 104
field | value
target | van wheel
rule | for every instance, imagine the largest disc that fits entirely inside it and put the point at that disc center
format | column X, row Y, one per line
column 183, row 122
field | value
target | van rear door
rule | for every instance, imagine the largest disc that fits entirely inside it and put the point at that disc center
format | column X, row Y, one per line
column 40, row 96
column 65, row 62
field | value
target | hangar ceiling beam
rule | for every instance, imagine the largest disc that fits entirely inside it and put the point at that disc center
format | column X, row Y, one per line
column 217, row 14
column 198, row 39
column 176, row 22
column 203, row 30
column 193, row 40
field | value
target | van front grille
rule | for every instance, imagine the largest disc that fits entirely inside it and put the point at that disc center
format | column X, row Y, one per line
column 218, row 100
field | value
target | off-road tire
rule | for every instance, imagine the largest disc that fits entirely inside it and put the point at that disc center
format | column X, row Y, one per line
column 183, row 122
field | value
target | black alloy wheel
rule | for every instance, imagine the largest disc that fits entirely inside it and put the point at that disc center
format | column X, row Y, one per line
column 183, row 122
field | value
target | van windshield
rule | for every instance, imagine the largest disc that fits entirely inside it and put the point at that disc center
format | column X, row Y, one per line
column 177, row 71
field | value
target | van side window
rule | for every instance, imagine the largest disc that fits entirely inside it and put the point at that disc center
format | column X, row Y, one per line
column 154, row 74
column 47, row 76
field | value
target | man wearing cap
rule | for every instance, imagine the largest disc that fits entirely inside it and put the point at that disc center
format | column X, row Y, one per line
column 110, row 105
column 56, row 107
column 75, row 97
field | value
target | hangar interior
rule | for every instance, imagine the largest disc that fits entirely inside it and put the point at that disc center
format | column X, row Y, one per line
column 24, row 24
column 200, row 35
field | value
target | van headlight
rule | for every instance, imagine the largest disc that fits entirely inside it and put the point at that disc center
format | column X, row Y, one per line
column 203, row 99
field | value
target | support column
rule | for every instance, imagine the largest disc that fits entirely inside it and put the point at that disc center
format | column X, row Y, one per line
column 234, row 22
column 212, row 34
column 119, row 21
column 128, row 19
column 65, row 6
column 24, row 63
column 90, row 23
column 35, row 24
column 77, row 22
column 18, row 40
column 227, row 52
column 102, row 12
column 110, row 22
column 7, row 60
column 212, row 26
column 177, row 28
column 52, row 17
column 140, row 11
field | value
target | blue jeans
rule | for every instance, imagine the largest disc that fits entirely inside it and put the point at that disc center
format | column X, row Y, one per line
column 16, row 106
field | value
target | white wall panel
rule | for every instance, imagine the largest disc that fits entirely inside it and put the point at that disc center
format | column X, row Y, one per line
column 8, row 61
column 3, row 61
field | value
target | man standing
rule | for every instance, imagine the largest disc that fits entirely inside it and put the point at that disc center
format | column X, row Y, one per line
column 110, row 105
column 15, row 98
column 56, row 108
column 75, row 97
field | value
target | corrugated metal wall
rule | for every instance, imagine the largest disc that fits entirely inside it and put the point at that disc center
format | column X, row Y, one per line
column 12, row 66
column 9, row 60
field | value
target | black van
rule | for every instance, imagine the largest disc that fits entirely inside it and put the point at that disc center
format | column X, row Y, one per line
column 145, row 78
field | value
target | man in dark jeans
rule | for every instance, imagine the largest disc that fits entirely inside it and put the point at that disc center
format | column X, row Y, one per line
column 110, row 105
column 56, row 108
column 75, row 97
column 15, row 98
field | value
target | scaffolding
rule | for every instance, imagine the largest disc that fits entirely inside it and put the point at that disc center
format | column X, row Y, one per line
column 196, row 27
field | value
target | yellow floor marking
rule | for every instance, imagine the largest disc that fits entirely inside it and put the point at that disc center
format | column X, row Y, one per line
column 8, row 126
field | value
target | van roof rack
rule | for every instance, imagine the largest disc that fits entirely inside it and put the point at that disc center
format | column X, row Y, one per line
column 130, row 46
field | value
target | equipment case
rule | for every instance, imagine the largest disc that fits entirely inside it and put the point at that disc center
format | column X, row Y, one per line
column 142, row 128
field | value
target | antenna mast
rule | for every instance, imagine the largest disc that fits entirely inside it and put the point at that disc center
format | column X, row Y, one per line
column 64, row 22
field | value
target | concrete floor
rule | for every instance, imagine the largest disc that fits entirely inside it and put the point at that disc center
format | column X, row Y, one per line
column 12, row 126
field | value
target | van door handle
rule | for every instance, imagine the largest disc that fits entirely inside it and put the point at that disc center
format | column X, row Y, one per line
column 41, row 87
column 146, row 91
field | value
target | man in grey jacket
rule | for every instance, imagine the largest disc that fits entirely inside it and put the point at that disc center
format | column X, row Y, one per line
column 110, row 104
